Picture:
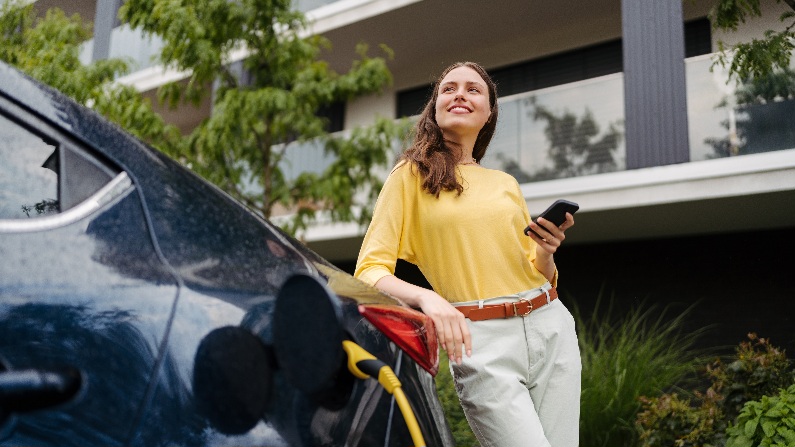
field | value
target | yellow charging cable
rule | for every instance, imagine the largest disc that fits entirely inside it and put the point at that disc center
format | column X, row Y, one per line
column 363, row 365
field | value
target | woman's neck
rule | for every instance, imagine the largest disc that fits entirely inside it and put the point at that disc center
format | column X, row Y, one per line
column 465, row 143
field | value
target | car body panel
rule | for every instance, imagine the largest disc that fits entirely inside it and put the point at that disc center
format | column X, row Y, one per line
column 56, row 315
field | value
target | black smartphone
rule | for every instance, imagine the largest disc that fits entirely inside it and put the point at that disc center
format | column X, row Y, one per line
column 556, row 213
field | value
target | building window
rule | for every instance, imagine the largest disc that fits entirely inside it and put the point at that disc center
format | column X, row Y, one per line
column 335, row 114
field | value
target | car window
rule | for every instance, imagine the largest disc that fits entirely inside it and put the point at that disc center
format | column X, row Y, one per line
column 80, row 176
column 28, row 185
column 41, row 176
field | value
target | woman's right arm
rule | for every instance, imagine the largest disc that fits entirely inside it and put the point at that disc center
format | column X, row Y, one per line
column 378, row 258
column 451, row 326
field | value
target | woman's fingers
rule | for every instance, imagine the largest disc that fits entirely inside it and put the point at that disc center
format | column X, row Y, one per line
column 551, row 235
column 467, row 338
column 453, row 351
column 460, row 338
column 453, row 334
column 452, row 330
column 568, row 223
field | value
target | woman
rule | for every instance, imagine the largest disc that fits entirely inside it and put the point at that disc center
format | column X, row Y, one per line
column 461, row 224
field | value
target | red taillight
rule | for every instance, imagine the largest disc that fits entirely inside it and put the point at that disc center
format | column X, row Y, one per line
column 411, row 330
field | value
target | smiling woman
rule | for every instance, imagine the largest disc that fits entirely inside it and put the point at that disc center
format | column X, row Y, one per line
column 462, row 105
column 518, row 376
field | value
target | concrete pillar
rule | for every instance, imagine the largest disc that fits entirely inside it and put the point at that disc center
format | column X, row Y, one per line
column 655, row 96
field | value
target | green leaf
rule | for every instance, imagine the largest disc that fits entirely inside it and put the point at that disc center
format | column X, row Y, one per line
column 750, row 427
column 769, row 428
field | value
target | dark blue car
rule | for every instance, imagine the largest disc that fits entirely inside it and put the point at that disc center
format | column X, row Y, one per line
column 142, row 306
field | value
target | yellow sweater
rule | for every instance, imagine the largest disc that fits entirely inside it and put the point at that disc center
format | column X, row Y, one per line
column 469, row 247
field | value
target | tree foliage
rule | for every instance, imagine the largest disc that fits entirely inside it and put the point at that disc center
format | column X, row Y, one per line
column 265, row 105
column 759, row 57
column 48, row 49
column 268, row 111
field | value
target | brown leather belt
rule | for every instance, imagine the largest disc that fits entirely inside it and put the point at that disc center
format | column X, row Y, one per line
column 520, row 308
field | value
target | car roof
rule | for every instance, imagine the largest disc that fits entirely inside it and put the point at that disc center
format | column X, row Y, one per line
column 19, row 87
column 91, row 128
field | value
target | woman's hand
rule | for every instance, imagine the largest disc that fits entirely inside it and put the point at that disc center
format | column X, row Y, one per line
column 547, row 243
column 551, row 237
column 451, row 326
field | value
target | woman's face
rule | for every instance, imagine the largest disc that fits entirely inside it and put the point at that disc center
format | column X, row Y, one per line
column 462, row 103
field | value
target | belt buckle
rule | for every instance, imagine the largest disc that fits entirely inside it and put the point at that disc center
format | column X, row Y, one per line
column 529, row 308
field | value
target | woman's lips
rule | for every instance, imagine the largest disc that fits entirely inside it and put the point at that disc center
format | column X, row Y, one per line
column 459, row 109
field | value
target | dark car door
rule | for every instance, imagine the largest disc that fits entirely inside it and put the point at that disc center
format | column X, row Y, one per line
column 84, row 296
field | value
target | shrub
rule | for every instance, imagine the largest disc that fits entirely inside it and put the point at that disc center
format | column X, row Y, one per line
column 671, row 420
column 624, row 356
column 702, row 418
column 768, row 422
column 760, row 369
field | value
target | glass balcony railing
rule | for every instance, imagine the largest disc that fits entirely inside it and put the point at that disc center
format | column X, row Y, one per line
column 132, row 44
column 305, row 157
column 141, row 50
column 564, row 131
column 577, row 129
column 726, row 119
column 308, row 5
column 129, row 44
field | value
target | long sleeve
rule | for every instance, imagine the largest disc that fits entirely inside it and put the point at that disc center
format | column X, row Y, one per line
column 468, row 246
column 381, row 247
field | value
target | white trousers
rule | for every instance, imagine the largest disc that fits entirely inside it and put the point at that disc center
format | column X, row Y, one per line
column 521, row 387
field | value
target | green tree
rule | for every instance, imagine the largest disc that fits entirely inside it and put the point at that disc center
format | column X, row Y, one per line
column 261, row 114
column 48, row 49
column 272, row 108
column 759, row 57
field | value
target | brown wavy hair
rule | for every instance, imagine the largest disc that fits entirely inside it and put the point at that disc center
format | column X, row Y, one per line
column 436, row 158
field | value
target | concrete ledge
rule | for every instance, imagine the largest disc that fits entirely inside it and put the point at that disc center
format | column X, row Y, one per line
column 723, row 177
column 746, row 193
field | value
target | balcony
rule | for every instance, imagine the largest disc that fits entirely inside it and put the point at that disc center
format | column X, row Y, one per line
column 308, row 5
column 576, row 129
column 129, row 44
column 141, row 50
column 567, row 142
